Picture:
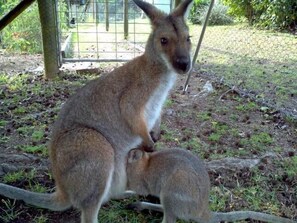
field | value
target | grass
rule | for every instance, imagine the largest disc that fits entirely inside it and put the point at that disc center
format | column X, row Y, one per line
column 14, row 176
column 41, row 149
column 263, row 62
column 10, row 212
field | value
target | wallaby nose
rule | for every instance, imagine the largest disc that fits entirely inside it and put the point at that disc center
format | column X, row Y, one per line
column 183, row 63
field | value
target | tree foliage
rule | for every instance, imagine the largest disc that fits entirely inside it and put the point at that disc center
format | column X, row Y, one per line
column 197, row 10
column 272, row 14
column 23, row 34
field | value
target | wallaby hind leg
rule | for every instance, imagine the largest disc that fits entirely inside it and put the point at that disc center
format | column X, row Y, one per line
column 168, row 218
column 90, row 214
column 87, row 173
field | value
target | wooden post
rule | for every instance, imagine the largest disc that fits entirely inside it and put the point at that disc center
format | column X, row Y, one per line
column 49, row 28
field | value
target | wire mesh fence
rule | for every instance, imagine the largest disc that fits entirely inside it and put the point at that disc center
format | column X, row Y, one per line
column 261, row 64
column 105, row 30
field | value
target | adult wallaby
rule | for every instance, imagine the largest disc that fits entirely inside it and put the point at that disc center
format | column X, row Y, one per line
column 181, row 181
column 110, row 115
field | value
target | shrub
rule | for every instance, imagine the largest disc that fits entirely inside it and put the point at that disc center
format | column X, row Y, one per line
column 272, row 14
column 219, row 15
column 23, row 34
column 277, row 14
column 197, row 9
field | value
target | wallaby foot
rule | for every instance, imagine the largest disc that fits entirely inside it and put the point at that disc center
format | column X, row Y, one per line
column 90, row 214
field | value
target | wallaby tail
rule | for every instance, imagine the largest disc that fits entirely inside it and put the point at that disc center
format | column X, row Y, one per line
column 243, row 215
column 43, row 200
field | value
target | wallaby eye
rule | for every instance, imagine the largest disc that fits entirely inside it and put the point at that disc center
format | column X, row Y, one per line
column 189, row 39
column 164, row 41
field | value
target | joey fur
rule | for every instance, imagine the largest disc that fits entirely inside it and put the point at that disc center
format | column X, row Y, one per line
column 103, row 120
column 181, row 181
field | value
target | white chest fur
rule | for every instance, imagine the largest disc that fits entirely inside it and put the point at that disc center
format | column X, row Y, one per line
column 154, row 105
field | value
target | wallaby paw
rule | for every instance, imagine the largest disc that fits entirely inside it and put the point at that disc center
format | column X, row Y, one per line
column 155, row 136
column 148, row 148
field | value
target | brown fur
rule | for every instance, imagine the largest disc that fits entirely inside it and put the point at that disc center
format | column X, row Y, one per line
column 110, row 115
column 181, row 181
column 176, row 176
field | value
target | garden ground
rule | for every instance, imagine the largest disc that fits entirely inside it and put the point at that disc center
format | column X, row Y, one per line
column 250, row 149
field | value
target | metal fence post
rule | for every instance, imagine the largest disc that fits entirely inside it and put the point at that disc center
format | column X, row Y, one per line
column 126, row 19
column 50, row 37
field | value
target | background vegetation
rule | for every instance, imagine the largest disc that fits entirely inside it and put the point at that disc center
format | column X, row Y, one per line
column 276, row 14
column 23, row 34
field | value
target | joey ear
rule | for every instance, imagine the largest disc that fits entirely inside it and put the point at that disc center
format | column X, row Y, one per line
column 150, row 10
column 181, row 8
column 134, row 155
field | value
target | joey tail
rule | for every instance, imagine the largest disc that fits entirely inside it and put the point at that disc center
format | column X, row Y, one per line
column 243, row 215
column 49, row 201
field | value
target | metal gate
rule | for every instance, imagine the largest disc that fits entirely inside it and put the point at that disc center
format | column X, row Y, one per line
column 104, row 30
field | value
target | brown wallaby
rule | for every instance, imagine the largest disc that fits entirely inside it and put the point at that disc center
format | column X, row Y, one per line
column 110, row 115
column 181, row 181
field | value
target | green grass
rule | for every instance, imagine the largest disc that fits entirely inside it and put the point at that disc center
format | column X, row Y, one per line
column 42, row 149
column 262, row 61
column 10, row 213
column 14, row 176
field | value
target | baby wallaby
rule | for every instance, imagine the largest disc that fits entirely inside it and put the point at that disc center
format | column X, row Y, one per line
column 99, row 124
column 181, row 181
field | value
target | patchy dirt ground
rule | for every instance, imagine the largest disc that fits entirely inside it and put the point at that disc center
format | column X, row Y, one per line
column 250, row 150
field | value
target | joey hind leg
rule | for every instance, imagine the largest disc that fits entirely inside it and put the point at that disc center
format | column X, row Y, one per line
column 84, row 166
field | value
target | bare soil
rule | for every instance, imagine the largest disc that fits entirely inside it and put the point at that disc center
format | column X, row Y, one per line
column 239, row 140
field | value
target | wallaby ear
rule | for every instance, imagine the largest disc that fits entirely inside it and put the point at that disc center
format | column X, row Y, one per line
column 134, row 155
column 150, row 10
column 181, row 8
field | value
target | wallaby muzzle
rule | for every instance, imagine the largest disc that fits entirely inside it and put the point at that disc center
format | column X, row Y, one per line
column 182, row 63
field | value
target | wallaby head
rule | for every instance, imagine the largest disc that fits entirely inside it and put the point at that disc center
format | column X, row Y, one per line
column 136, row 164
column 169, row 42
